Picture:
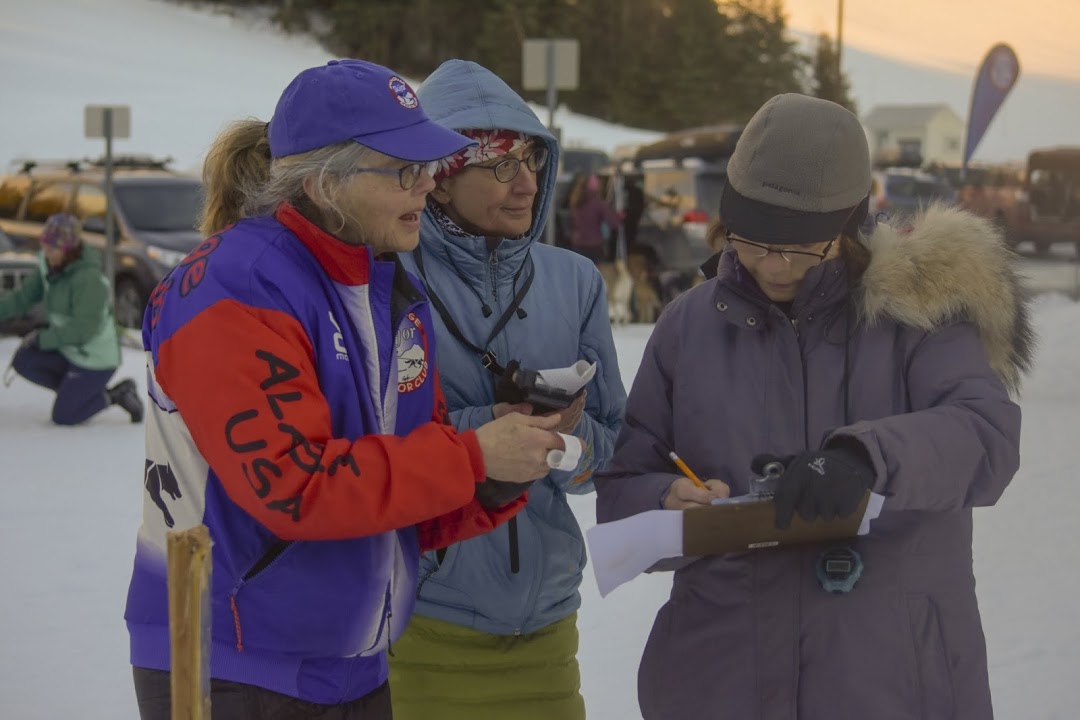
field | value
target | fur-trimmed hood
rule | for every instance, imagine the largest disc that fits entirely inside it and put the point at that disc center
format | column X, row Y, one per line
column 948, row 263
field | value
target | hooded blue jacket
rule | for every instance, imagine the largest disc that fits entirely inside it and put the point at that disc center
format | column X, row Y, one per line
column 566, row 320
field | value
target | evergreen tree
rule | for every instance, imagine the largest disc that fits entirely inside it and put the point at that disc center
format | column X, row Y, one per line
column 763, row 60
column 827, row 80
column 657, row 64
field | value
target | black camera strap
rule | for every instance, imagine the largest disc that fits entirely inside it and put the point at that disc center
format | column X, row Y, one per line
column 487, row 356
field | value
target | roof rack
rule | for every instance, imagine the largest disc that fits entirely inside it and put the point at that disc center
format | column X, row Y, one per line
column 710, row 143
column 27, row 165
column 130, row 162
column 143, row 162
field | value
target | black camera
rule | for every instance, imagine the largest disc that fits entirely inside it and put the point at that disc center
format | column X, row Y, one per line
column 520, row 385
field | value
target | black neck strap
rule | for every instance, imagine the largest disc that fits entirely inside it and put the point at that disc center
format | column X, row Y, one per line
column 487, row 357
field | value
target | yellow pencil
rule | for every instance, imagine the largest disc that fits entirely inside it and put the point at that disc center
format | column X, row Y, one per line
column 686, row 469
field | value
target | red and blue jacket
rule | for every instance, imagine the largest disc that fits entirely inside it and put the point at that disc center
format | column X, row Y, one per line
column 297, row 414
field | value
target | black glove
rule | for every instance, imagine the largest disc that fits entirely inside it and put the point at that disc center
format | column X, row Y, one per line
column 824, row 484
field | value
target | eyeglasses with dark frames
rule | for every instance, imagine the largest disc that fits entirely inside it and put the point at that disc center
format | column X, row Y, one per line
column 508, row 169
column 800, row 258
column 407, row 176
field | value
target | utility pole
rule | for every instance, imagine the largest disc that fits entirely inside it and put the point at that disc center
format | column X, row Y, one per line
column 839, row 40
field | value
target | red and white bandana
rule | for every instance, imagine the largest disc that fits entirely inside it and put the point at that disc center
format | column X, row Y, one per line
column 490, row 144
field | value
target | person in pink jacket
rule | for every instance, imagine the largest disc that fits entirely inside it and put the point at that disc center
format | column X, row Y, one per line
column 592, row 213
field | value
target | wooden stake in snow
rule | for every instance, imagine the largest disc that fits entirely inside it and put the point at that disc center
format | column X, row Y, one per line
column 189, row 622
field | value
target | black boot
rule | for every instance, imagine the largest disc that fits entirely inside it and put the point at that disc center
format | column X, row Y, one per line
column 126, row 394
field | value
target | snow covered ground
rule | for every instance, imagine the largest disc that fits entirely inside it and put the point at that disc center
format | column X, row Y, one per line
column 72, row 498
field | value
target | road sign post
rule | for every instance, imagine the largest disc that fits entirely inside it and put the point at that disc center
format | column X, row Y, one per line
column 108, row 122
column 550, row 65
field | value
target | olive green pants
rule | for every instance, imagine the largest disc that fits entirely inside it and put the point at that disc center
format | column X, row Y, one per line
column 442, row 671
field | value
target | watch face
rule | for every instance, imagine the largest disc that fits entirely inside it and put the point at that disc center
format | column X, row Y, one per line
column 838, row 568
column 1003, row 68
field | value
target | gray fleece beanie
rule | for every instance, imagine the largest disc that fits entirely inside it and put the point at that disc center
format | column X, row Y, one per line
column 800, row 173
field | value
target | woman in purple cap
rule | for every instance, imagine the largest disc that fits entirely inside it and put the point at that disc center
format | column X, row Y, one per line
column 78, row 351
column 858, row 363
column 297, row 411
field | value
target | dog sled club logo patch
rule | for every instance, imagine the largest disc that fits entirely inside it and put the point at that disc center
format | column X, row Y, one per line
column 404, row 94
column 411, row 347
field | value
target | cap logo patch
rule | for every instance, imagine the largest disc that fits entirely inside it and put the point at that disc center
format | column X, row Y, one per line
column 780, row 188
column 403, row 93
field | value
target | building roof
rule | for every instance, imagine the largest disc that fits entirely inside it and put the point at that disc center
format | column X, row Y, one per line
column 896, row 117
column 710, row 142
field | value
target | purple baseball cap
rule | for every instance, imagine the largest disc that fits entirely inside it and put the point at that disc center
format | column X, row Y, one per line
column 361, row 101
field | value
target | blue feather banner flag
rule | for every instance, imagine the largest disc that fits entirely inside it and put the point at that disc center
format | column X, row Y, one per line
column 997, row 75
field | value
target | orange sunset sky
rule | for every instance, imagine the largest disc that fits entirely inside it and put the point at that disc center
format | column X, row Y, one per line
column 954, row 34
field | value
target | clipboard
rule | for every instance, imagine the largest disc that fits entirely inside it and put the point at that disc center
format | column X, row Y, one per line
column 668, row 540
column 749, row 524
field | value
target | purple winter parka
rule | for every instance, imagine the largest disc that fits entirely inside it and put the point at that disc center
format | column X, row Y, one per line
column 916, row 361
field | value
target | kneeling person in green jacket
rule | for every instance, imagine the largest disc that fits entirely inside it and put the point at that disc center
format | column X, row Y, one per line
column 77, row 353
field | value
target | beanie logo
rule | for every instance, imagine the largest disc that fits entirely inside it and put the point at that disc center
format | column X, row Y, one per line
column 403, row 93
column 780, row 188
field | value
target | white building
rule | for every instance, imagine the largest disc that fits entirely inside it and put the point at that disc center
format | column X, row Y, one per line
column 924, row 133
